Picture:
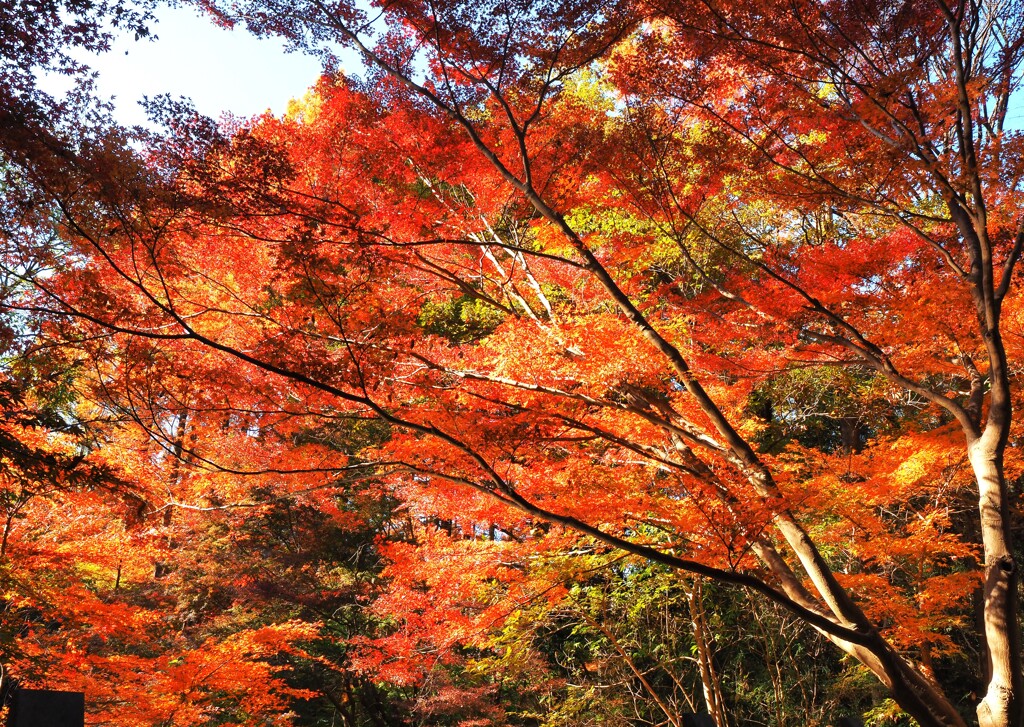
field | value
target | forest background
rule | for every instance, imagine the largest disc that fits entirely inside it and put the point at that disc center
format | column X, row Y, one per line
column 576, row 363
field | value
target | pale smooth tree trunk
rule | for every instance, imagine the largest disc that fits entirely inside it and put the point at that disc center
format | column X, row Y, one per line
column 1001, row 705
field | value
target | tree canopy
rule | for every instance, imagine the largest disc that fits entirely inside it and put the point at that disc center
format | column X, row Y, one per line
column 584, row 361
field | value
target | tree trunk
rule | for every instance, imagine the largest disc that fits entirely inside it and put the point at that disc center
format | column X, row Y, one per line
column 708, row 676
column 173, row 479
column 7, row 534
column 1001, row 706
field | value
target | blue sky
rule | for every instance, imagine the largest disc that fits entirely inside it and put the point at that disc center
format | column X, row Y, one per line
column 221, row 70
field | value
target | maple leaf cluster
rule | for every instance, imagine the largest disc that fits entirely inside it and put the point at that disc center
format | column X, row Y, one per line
column 433, row 390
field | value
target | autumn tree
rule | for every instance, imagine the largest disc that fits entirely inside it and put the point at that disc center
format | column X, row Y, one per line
column 107, row 585
column 572, row 259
